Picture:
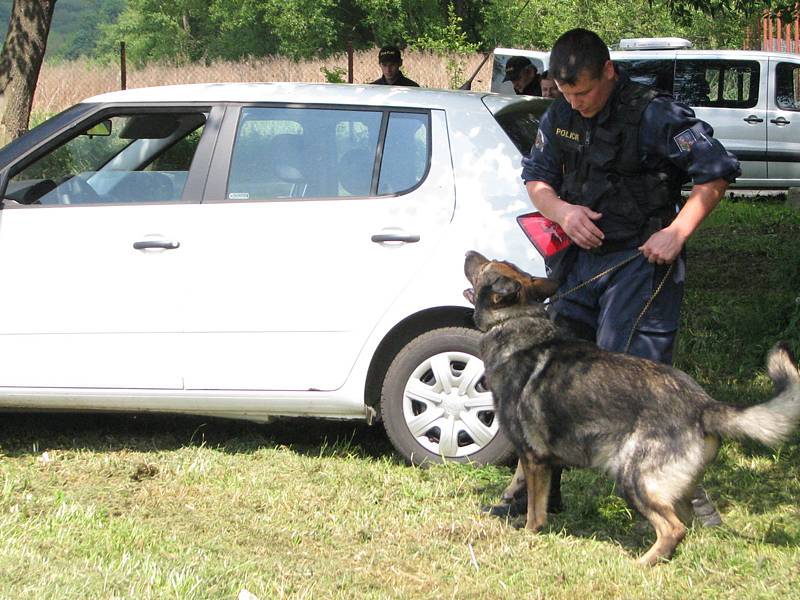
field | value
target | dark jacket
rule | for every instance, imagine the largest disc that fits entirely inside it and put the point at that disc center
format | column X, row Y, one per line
column 534, row 88
column 401, row 80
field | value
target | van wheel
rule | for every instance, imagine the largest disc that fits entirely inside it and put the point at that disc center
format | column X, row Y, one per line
column 435, row 404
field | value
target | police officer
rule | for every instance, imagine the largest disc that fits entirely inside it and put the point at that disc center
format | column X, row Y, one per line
column 391, row 60
column 608, row 164
column 523, row 75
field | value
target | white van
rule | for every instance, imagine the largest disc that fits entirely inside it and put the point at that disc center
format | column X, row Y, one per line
column 750, row 98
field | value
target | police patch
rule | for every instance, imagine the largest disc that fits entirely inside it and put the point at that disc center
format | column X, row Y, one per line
column 685, row 140
column 539, row 143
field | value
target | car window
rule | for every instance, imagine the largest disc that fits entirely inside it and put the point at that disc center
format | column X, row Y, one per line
column 717, row 83
column 405, row 152
column 303, row 153
column 657, row 73
column 124, row 158
column 284, row 153
column 787, row 86
column 520, row 121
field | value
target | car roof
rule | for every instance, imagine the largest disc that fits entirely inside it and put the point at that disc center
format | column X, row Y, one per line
column 303, row 93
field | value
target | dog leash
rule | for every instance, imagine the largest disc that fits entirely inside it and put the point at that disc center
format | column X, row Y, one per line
column 611, row 269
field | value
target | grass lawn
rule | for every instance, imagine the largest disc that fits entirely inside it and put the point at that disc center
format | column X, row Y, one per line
column 138, row 507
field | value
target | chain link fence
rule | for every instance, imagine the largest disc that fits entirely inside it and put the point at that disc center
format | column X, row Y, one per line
column 63, row 84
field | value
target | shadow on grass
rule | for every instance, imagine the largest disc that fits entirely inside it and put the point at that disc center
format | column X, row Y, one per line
column 34, row 432
column 593, row 510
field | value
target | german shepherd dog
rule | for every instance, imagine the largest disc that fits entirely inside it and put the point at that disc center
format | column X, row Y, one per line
column 565, row 402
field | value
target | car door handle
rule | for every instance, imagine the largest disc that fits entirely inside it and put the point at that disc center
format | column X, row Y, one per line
column 780, row 121
column 408, row 238
column 161, row 244
column 753, row 119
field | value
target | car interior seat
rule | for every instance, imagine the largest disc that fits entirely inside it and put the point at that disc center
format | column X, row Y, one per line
column 355, row 171
column 289, row 162
column 143, row 186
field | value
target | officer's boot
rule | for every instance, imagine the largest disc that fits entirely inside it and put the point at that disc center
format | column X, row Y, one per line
column 514, row 501
column 704, row 511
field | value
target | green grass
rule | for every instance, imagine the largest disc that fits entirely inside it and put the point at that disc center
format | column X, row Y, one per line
column 121, row 506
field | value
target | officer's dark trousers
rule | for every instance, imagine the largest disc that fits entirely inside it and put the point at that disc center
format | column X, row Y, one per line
column 606, row 311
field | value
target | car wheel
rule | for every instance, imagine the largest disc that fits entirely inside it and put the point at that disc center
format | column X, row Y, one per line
column 435, row 404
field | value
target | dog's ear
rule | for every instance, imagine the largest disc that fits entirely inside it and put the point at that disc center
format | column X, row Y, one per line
column 472, row 265
column 544, row 288
column 504, row 290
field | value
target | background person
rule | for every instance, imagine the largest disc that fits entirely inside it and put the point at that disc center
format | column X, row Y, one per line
column 523, row 75
column 549, row 87
column 607, row 165
column 390, row 60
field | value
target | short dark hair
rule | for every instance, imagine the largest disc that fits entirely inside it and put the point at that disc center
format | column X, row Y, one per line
column 575, row 51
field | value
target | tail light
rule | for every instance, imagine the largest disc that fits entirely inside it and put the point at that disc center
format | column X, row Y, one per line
column 545, row 235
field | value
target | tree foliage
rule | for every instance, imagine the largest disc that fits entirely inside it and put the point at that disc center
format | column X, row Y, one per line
column 539, row 23
column 204, row 30
column 451, row 40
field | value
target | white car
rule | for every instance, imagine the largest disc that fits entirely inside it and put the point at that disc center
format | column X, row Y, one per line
column 263, row 250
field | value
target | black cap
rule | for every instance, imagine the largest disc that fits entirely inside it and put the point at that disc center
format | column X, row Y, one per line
column 390, row 54
column 515, row 66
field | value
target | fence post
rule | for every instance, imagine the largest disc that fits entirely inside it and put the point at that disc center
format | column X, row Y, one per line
column 123, row 75
column 349, row 62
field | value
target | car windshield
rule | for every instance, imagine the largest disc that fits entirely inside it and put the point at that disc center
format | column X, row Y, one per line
column 41, row 132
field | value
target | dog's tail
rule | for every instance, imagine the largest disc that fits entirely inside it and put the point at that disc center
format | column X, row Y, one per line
column 771, row 422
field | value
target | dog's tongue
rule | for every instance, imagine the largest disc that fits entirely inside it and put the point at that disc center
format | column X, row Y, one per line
column 469, row 294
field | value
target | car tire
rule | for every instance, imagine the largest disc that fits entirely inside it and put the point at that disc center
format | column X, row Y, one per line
column 435, row 405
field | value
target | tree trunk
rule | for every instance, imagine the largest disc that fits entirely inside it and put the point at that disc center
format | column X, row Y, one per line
column 20, row 62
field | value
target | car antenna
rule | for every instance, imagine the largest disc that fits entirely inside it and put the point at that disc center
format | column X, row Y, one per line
column 467, row 85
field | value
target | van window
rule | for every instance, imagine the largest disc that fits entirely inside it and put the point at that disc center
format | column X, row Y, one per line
column 657, row 73
column 499, row 71
column 717, row 83
column 787, row 86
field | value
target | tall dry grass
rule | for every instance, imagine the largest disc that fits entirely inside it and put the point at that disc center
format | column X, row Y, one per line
column 64, row 84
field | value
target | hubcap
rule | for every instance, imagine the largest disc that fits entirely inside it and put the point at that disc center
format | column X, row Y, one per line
column 447, row 407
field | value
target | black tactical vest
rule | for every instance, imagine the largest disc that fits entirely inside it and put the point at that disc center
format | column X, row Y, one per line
column 603, row 169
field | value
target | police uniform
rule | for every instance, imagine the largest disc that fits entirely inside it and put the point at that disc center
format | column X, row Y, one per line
column 401, row 80
column 628, row 162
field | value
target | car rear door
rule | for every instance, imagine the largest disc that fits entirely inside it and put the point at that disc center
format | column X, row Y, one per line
column 314, row 220
column 783, row 126
column 91, row 248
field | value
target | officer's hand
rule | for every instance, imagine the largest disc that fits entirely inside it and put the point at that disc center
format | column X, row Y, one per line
column 578, row 223
column 663, row 247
